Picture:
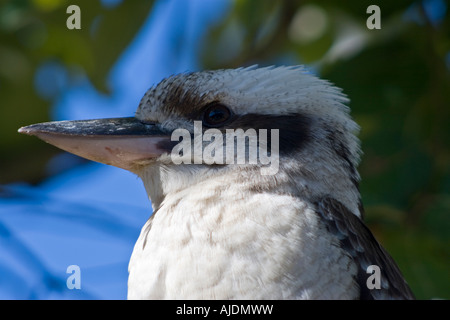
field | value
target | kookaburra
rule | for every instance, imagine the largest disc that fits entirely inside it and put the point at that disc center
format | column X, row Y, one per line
column 226, row 229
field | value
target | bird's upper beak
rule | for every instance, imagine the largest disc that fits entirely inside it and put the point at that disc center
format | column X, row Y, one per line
column 126, row 143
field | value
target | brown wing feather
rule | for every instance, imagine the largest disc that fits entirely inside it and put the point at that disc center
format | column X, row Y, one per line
column 357, row 240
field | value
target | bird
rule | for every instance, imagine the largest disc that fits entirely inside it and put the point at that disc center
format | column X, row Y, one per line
column 228, row 229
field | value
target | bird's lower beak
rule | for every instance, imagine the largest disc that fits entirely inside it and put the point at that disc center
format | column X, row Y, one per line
column 126, row 143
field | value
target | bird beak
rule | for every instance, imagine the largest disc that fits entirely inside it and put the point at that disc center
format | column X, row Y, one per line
column 126, row 143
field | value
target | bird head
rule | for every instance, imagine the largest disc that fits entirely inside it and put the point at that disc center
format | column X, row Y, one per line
column 178, row 136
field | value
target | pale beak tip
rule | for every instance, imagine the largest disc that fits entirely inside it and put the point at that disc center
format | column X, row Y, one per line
column 24, row 130
column 30, row 130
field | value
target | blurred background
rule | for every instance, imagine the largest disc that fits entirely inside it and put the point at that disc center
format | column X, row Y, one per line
column 58, row 210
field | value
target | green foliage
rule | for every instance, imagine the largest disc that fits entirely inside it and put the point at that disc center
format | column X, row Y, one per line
column 33, row 32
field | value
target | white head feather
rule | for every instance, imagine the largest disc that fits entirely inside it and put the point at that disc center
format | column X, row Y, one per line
column 271, row 91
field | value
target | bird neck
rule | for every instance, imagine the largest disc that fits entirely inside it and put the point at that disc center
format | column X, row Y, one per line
column 167, row 181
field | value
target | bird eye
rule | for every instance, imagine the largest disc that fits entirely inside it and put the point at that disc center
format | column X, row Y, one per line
column 215, row 115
